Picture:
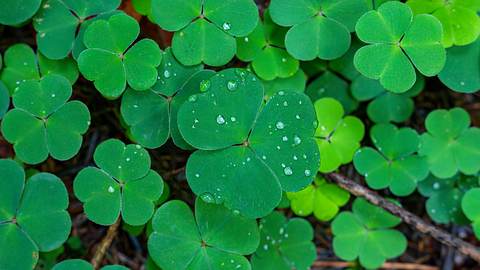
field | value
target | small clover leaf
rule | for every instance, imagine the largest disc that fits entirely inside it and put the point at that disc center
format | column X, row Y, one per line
column 33, row 215
column 445, row 196
column 337, row 137
column 284, row 245
column 394, row 164
column 461, row 24
column 21, row 64
column 296, row 82
column 43, row 122
column 397, row 42
column 366, row 234
column 321, row 198
column 77, row 264
column 462, row 72
column 264, row 47
column 471, row 208
column 449, row 144
column 112, row 58
column 215, row 238
column 4, row 99
column 15, row 12
column 205, row 31
column 60, row 24
column 122, row 183
column 248, row 154
column 318, row 28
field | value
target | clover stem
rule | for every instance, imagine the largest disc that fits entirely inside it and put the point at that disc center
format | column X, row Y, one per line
column 105, row 244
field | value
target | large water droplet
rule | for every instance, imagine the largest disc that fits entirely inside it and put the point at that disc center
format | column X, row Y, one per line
column 231, row 85
column 280, row 125
column 220, row 120
column 205, row 85
column 226, row 26
column 111, row 189
column 297, row 139
column 288, row 171
column 207, row 197
column 307, row 173
column 166, row 74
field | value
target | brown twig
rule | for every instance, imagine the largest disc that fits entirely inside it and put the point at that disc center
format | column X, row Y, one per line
column 105, row 244
column 387, row 265
column 409, row 218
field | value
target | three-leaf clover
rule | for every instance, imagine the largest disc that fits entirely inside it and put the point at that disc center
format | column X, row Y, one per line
column 250, row 153
column 394, row 164
column 78, row 264
column 284, row 245
column 122, row 183
column 15, row 12
column 60, row 24
column 33, row 215
column 205, row 31
column 337, row 137
column 4, row 99
column 265, row 48
column 112, row 58
column 151, row 116
column 397, row 42
column 21, row 64
column 449, row 144
column 471, row 208
column 461, row 24
column 43, row 122
column 215, row 238
column 318, row 28
column 321, row 198
column 366, row 234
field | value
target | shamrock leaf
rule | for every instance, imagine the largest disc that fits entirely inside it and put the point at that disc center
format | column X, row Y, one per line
column 337, row 137
column 15, row 12
column 112, row 58
column 284, row 245
column 21, row 64
column 151, row 115
column 216, row 238
column 122, row 183
column 321, row 198
column 248, row 154
column 471, row 207
column 461, row 24
column 60, row 24
column 319, row 28
column 33, row 215
column 78, row 264
column 445, row 196
column 449, row 144
column 462, row 72
column 4, row 99
column 394, row 165
column 264, row 47
column 366, row 234
column 205, row 31
column 296, row 83
column 43, row 122
column 397, row 43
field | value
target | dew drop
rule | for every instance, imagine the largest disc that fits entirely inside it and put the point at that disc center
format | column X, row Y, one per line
column 307, row 173
column 231, row 85
column 111, row 189
column 166, row 74
column 207, row 197
column 233, row 119
column 280, row 125
column 265, row 247
column 284, row 138
column 287, row 171
column 220, row 120
column 436, row 185
column 204, row 85
column 281, row 93
column 226, row 26
column 297, row 116
column 197, row 175
column 246, row 39
column 297, row 140
column 284, row 60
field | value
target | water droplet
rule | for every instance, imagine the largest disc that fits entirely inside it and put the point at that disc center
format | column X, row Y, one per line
column 226, row 26
column 462, row 83
column 285, row 103
column 284, row 60
column 265, row 247
column 284, row 138
column 127, row 159
column 297, row 139
column 281, row 231
column 287, row 171
column 280, row 125
column 197, row 175
column 236, row 212
column 119, row 166
column 281, row 93
column 138, row 146
column 204, row 85
column 436, row 185
column 53, row 95
column 207, row 197
column 264, row 157
column 307, row 173
column 192, row 98
column 297, row 116
column 220, row 120
column 166, row 74
column 295, row 157
column 246, row 39
column 111, row 189
column 233, row 119
column 231, row 85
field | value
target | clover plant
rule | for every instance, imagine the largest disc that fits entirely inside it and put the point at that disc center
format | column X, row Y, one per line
column 43, row 122
column 450, row 145
column 33, row 215
column 396, row 44
column 215, row 238
column 394, row 164
column 112, row 57
column 471, row 206
column 366, row 234
column 123, row 183
column 205, row 31
column 78, row 264
column 321, row 198
column 4, row 99
column 248, row 154
column 21, row 64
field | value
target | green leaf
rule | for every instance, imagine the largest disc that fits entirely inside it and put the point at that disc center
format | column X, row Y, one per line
column 462, row 72
column 15, row 12
column 58, row 22
column 4, row 99
column 337, row 137
column 112, row 58
column 398, row 43
column 216, row 238
column 284, row 244
column 365, row 234
column 247, row 155
column 43, row 121
column 78, row 264
column 449, row 144
column 394, row 165
column 471, row 206
column 322, row 199
column 33, row 216
column 296, row 83
column 122, row 183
